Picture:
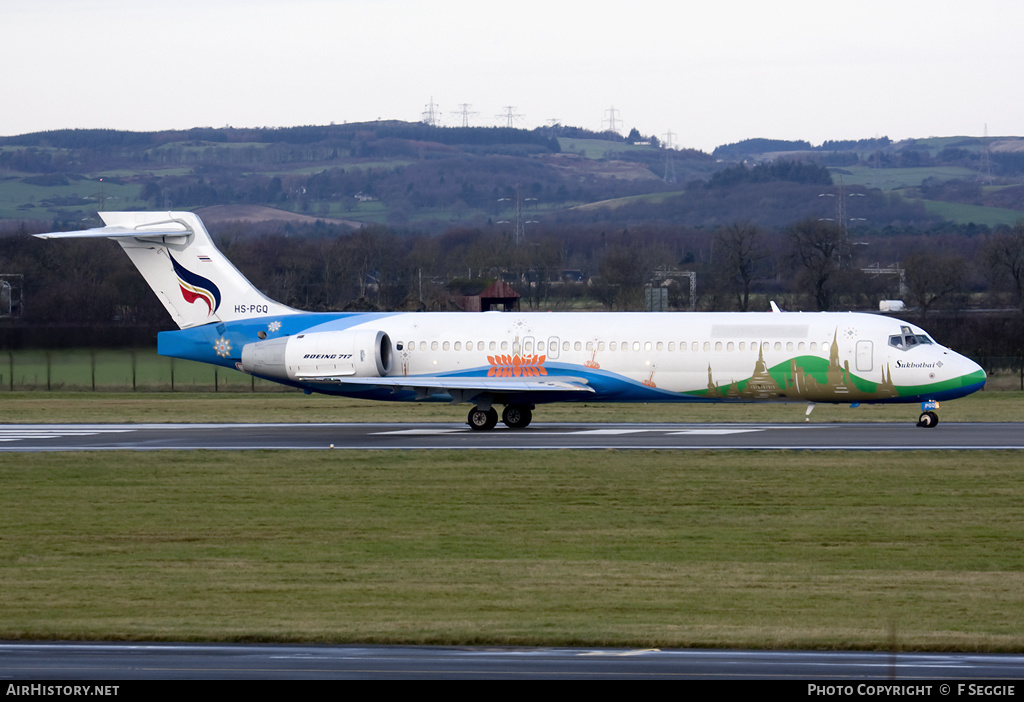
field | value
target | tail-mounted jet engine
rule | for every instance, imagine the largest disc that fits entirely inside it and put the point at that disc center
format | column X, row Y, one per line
column 364, row 353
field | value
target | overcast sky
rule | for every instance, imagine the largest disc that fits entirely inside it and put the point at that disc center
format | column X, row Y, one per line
column 710, row 73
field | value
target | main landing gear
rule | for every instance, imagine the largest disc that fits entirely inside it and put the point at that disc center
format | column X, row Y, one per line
column 514, row 417
column 928, row 418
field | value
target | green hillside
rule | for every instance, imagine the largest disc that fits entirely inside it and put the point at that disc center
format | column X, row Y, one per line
column 412, row 175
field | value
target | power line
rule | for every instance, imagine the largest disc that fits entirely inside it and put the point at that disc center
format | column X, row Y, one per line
column 430, row 113
column 465, row 113
column 510, row 115
column 612, row 119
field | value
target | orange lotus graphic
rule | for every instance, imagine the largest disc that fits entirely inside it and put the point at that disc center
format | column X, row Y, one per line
column 516, row 366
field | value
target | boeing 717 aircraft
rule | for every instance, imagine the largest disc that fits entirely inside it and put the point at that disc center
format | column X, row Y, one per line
column 521, row 360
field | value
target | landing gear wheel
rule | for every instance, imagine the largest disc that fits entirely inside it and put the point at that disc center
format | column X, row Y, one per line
column 928, row 420
column 482, row 419
column 517, row 416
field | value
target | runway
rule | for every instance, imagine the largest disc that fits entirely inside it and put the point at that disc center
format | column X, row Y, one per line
column 404, row 436
column 34, row 661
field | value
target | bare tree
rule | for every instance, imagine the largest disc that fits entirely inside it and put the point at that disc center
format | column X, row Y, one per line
column 1006, row 258
column 822, row 250
column 741, row 250
column 932, row 277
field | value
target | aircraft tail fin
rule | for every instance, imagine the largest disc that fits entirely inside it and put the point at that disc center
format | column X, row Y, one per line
column 195, row 282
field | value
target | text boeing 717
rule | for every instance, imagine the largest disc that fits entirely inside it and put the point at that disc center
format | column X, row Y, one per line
column 520, row 360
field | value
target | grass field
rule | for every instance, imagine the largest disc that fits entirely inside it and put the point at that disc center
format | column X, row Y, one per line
column 973, row 214
column 765, row 550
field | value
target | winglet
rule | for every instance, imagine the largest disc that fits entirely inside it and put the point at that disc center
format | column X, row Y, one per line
column 775, row 308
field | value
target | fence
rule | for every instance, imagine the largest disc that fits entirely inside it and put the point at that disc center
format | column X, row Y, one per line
column 119, row 371
column 144, row 370
column 1005, row 372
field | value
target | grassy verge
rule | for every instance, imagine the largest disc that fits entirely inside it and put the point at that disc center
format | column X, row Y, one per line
column 161, row 407
column 806, row 550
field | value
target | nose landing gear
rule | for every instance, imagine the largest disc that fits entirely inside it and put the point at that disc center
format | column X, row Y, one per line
column 928, row 418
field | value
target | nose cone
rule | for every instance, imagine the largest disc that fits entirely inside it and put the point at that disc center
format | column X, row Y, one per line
column 965, row 377
column 975, row 376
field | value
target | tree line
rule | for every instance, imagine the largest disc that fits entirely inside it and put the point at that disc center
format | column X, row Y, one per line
column 807, row 265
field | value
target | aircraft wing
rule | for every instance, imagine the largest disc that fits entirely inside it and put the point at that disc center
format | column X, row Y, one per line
column 462, row 388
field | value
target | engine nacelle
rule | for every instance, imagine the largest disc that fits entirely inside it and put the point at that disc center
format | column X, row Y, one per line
column 364, row 353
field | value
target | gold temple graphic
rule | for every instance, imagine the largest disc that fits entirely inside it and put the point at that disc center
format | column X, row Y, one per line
column 800, row 384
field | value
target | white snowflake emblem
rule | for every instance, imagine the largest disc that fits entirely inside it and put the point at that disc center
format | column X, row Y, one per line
column 223, row 347
column 520, row 326
column 274, row 326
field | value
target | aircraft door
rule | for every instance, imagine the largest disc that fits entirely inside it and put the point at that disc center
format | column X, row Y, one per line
column 865, row 355
column 552, row 347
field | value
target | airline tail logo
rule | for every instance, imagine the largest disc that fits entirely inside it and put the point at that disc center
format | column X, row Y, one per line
column 196, row 287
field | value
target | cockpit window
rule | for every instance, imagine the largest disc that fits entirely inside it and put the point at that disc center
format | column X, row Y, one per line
column 907, row 339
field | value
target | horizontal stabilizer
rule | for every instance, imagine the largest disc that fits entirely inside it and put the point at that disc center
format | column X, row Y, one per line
column 115, row 233
column 175, row 254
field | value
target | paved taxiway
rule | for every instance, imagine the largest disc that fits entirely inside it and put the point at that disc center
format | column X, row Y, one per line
column 870, row 436
column 155, row 661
